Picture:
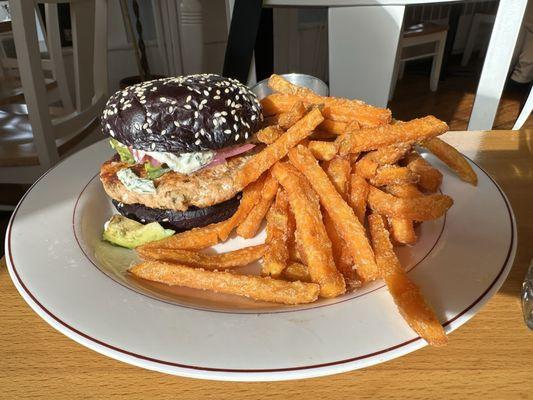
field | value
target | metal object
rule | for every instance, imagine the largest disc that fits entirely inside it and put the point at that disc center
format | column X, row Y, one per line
column 527, row 297
column 262, row 90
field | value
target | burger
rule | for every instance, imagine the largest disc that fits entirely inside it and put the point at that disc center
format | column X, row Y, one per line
column 179, row 142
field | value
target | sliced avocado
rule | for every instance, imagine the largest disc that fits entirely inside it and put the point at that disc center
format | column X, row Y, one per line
column 128, row 233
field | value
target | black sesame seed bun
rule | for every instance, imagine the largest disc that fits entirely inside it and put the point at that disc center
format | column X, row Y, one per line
column 180, row 221
column 183, row 114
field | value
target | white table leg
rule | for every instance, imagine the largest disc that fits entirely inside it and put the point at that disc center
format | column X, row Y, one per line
column 363, row 41
column 499, row 54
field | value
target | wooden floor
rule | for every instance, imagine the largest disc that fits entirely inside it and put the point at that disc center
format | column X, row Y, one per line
column 452, row 102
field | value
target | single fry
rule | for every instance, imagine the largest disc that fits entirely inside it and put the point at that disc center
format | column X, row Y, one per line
column 430, row 178
column 251, row 195
column 405, row 191
column 254, row 287
column 359, row 189
column 333, row 127
column 249, row 227
column 338, row 170
column 324, row 151
column 278, row 232
column 269, row 134
column 341, row 254
column 402, row 230
column 385, row 135
column 411, row 304
column 195, row 239
column 296, row 271
column 348, row 226
column 418, row 208
column 393, row 175
column 296, row 113
column 315, row 246
column 231, row 259
column 452, row 158
column 279, row 84
column 266, row 158
column 390, row 154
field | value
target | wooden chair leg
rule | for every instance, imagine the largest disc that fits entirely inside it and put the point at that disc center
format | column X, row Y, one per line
column 437, row 64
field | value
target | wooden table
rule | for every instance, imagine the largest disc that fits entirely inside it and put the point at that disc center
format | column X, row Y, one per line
column 491, row 357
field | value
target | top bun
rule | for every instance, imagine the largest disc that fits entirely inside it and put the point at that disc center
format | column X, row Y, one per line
column 183, row 114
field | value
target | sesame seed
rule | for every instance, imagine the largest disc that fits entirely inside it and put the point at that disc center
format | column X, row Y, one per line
column 163, row 99
column 197, row 134
column 112, row 133
column 236, row 137
column 235, row 127
column 145, row 126
column 136, row 125
column 164, row 132
column 227, row 131
column 202, row 132
column 170, row 110
column 216, row 97
column 204, row 101
column 233, row 112
column 206, row 93
column 176, row 123
column 196, row 114
column 253, row 117
column 148, row 130
column 198, row 141
column 188, row 99
column 246, row 134
column 224, row 113
column 152, row 146
column 215, row 122
column 188, row 107
column 217, row 114
column 201, row 107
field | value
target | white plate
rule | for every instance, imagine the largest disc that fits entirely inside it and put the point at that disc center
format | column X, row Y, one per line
column 76, row 283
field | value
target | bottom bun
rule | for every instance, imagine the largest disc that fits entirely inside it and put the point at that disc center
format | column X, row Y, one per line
column 180, row 221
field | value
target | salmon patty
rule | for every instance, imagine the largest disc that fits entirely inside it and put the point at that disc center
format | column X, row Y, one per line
column 175, row 191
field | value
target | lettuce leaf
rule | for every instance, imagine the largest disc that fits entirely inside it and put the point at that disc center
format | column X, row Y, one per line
column 123, row 151
column 154, row 172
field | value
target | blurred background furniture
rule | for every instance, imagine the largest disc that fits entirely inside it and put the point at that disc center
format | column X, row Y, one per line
column 361, row 65
column 421, row 41
column 35, row 135
column 478, row 21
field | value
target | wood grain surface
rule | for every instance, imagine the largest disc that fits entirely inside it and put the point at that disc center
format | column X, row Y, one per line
column 490, row 357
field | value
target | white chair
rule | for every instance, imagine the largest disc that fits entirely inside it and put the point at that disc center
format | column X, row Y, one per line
column 55, row 77
column 421, row 41
column 33, row 142
column 478, row 20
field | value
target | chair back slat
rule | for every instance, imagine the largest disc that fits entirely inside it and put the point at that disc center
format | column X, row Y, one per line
column 56, row 61
column 32, row 78
column 82, row 21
